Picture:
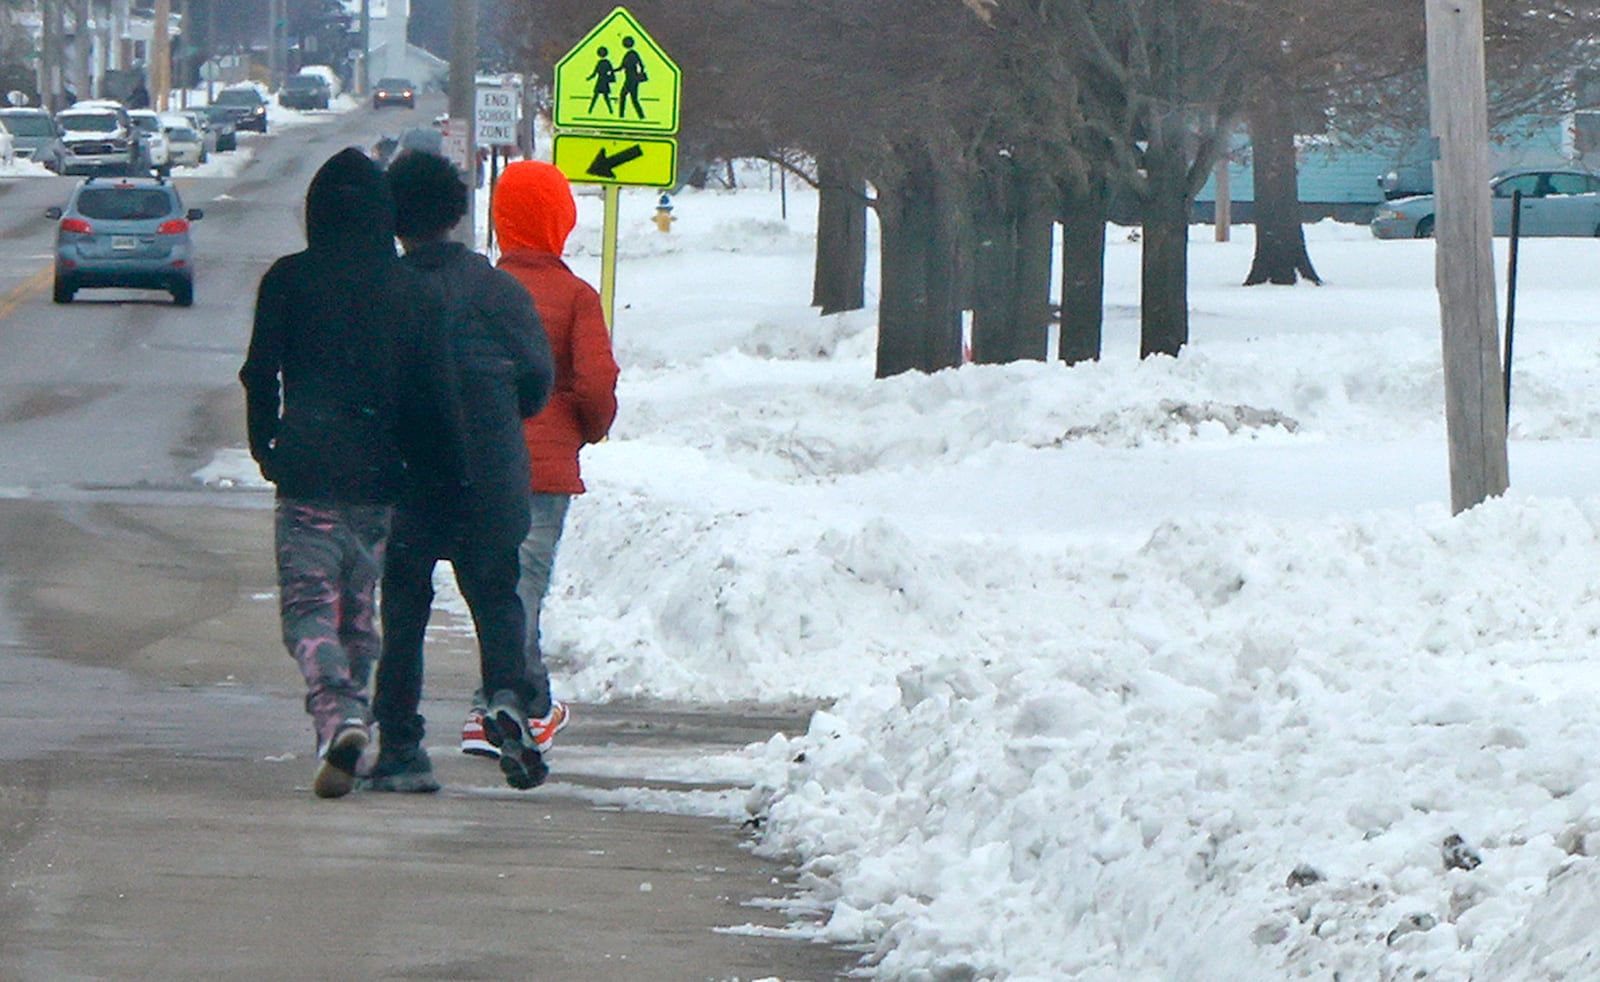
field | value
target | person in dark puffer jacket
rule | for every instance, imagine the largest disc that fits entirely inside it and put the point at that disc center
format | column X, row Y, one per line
column 500, row 361
column 340, row 385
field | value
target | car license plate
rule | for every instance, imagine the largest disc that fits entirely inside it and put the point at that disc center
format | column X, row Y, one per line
column 124, row 242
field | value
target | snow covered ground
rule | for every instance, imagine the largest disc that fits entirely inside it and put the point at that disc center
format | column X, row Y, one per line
column 1163, row 670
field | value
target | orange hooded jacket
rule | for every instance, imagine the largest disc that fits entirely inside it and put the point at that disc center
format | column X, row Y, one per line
column 534, row 212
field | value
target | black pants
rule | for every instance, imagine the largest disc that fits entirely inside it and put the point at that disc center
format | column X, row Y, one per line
column 487, row 572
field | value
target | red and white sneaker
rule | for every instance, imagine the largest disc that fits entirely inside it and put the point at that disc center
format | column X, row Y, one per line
column 473, row 739
column 544, row 729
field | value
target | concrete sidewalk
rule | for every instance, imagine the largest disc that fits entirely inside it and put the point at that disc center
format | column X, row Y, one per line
column 156, row 822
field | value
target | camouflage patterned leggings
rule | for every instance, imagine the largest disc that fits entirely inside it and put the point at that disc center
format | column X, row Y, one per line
column 329, row 559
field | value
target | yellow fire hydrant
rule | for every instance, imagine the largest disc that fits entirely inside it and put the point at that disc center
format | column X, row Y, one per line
column 664, row 218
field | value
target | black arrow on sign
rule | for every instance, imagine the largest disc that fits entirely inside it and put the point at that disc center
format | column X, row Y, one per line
column 604, row 166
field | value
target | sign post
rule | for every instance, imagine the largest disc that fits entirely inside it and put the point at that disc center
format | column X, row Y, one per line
column 616, row 110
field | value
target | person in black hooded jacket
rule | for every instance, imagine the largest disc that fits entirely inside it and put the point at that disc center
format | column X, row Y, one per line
column 502, row 374
column 340, row 388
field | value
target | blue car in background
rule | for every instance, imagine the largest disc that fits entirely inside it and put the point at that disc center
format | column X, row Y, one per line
column 125, row 232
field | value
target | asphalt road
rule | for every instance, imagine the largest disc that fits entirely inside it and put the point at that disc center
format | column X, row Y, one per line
column 156, row 821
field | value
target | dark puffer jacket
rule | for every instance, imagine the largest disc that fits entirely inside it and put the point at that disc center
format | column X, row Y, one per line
column 340, row 379
column 502, row 374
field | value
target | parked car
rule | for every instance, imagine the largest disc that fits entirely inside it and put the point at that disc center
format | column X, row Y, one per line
column 219, row 120
column 191, row 118
column 156, row 155
column 184, row 142
column 1554, row 202
column 304, row 92
column 8, row 145
column 245, row 104
column 98, row 138
column 125, row 232
column 394, row 92
column 327, row 74
column 35, row 136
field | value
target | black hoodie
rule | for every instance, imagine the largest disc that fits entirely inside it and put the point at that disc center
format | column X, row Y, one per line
column 340, row 378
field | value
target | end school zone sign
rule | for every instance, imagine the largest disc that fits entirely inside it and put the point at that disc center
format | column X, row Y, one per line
column 496, row 117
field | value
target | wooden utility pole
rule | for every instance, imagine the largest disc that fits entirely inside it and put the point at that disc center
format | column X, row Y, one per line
column 364, row 66
column 1474, row 402
column 161, row 55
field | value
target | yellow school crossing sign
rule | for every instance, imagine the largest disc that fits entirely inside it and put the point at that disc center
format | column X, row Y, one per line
column 616, row 159
column 617, row 79
column 616, row 108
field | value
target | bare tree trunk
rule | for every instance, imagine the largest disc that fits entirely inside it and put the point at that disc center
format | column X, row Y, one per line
column 839, row 277
column 1281, row 255
column 1011, row 291
column 919, row 318
column 1083, row 271
column 1036, row 226
column 1164, row 279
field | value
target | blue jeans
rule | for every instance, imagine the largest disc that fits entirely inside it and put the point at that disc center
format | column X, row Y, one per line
column 537, row 554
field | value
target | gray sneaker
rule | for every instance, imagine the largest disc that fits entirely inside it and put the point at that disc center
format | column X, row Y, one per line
column 336, row 775
column 506, row 727
column 405, row 768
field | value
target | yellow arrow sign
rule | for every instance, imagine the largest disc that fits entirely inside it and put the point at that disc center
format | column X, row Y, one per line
column 617, row 78
column 616, row 159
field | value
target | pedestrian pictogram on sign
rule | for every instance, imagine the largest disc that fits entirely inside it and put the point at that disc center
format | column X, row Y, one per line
column 617, row 78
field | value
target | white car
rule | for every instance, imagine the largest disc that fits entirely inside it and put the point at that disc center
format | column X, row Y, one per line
column 186, row 146
column 191, row 119
column 8, row 146
column 153, row 138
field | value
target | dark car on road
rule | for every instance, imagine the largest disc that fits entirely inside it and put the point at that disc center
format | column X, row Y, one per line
column 124, row 232
column 245, row 105
column 219, row 120
column 304, row 92
column 35, row 135
column 394, row 92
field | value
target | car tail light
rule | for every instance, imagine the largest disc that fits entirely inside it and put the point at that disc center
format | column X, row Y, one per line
column 76, row 225
column 176, row 226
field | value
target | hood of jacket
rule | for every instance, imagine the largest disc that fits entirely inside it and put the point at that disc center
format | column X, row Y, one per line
column 348, row 211
column 534, row 208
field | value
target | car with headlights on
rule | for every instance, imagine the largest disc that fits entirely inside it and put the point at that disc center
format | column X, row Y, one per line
column 246, row 105
column 394, row 92
column 131, row 232
column 1555, row 202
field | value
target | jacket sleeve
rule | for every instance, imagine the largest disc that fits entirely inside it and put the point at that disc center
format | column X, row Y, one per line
column 594, row 367
column 535, row 366
column 261, row 374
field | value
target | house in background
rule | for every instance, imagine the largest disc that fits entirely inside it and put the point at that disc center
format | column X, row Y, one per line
column 1346, row 178
column 389, row 54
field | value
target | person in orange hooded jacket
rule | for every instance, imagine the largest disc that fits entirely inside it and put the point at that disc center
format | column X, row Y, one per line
column 534, row 212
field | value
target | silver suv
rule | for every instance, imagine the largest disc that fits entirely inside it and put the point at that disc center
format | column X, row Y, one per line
column 99, row 139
